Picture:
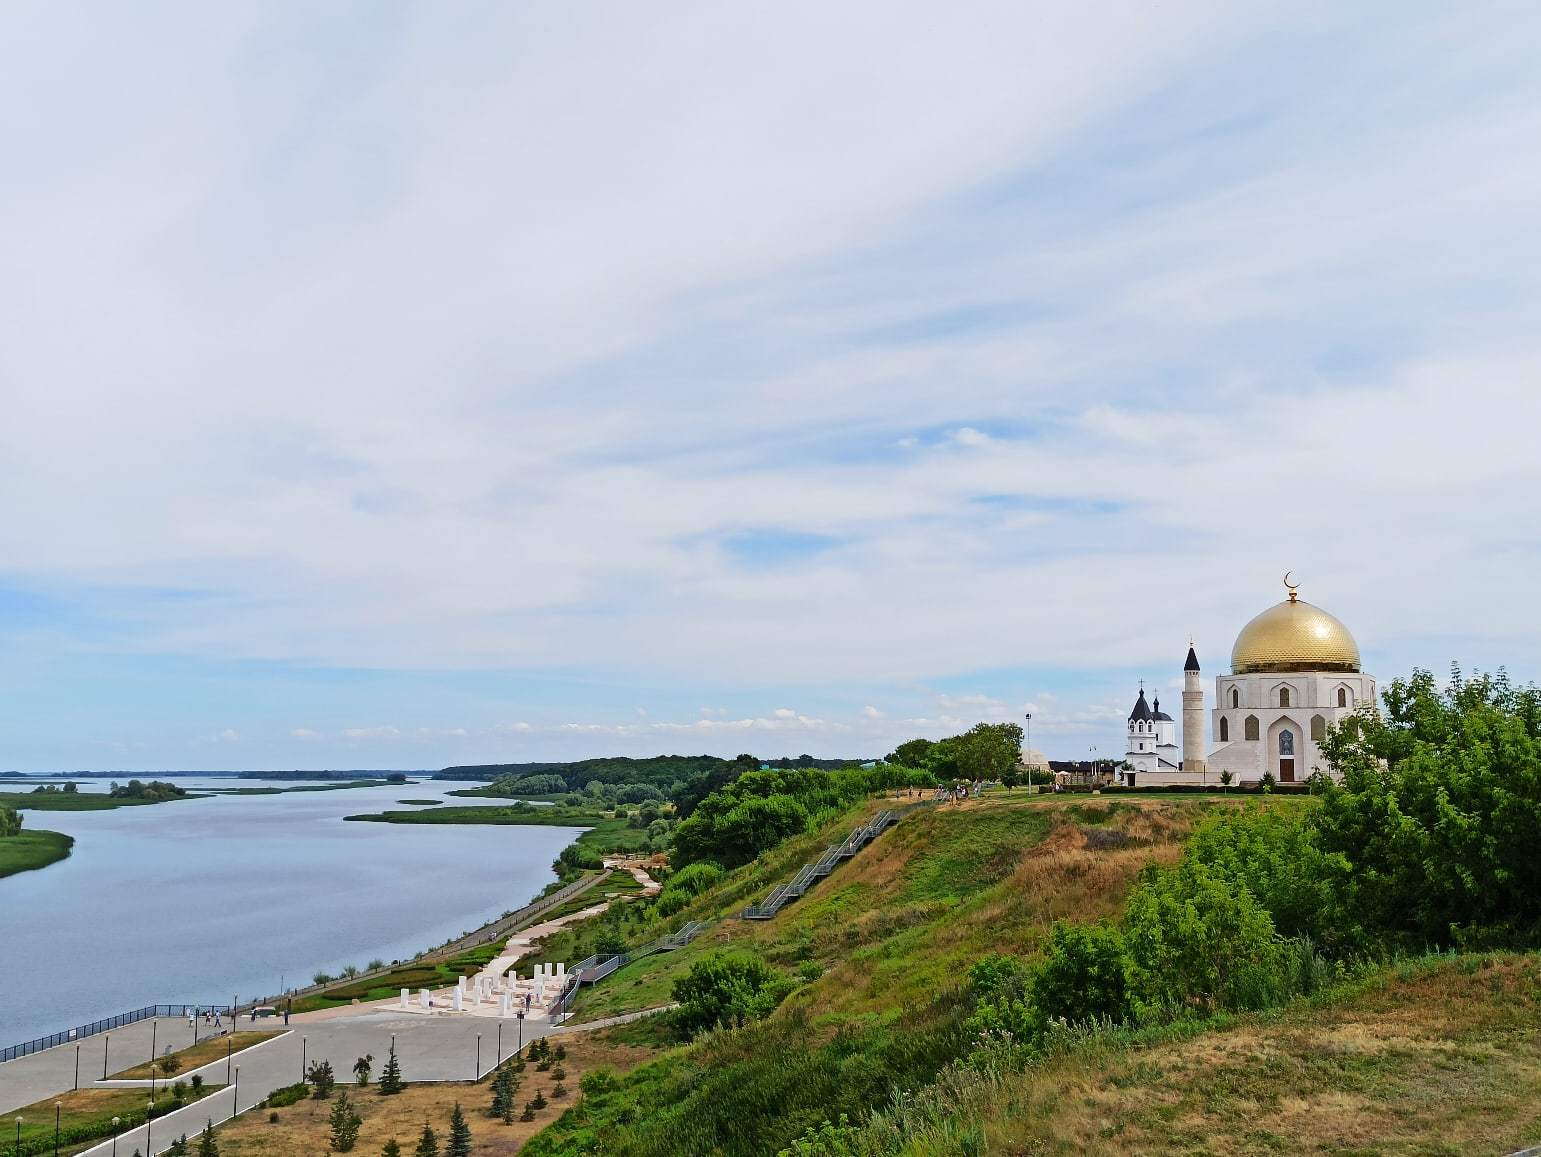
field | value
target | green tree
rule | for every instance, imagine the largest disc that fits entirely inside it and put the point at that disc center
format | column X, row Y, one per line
column 987, row 750
column 345, row 1124
column 459, row 1135
column 10, row 821
column 390, row 1081
column 427, row 1144
column 178, row 1147
column 726, row 990
column 910, row 753
column 207, row 1145
column 1011, row 777
column 391, row 1149
column 1226, row 778
column 504, row 1087
column 362, row 1067
column 1439, row 812
column 321, row 1079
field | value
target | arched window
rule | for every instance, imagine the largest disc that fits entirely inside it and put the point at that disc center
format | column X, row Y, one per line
column 1284, row 696
column 1225, row 729
column 1286, row 742
column 1342, row 696
column 1235, row 697
column 1318, row 728
column 1249, row 727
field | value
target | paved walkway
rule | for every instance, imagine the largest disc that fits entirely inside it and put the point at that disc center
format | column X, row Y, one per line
column 429, row 1049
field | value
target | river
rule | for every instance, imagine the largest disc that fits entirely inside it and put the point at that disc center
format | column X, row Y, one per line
column 205, row 899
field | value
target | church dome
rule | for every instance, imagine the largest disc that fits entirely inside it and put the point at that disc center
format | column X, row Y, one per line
column 1294, row 636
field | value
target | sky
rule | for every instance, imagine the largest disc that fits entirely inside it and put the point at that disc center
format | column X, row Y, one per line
column 411, row 385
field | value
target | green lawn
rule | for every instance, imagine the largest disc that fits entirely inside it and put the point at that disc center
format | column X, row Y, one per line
column 33, row 848
column 85, row 1118
column 74, row 801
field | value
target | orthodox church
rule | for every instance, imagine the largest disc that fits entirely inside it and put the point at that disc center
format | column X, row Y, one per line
column 1294, row 671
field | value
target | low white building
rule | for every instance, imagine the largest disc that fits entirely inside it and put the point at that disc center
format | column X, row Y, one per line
column 1152, row 739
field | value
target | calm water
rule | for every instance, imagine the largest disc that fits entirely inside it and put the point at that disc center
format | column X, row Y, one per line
column 201, row 900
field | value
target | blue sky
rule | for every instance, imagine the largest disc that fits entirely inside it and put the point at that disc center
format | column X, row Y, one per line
column 407, row 386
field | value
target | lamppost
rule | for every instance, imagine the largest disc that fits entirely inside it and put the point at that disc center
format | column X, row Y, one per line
column 18, row 1134
column 500, row 1042
column 235, row 1100
column 1094, row 764
column 114, row 1137
column 476, row 1074
column 229, row 1049
column 154, row 1025
column 58, row 1108
column 304, row 1047
column 77, row 1068
column 149, row 1120
column 105, row 1043
column 520, row 1015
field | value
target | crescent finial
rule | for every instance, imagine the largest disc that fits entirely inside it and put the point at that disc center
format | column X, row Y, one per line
column 1289, row 586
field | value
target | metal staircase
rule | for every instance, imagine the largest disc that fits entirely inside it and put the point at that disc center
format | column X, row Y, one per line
column 809, row 874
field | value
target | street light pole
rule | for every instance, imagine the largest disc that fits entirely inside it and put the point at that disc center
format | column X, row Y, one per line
column 500, row 1042
column 235, row 1100
column 476, row 1074
column 115, row 1137
column 304, row 1047
column 58, row 1108
column 77, row 1068
column 520, row 1014
column 154, row 1026
column 105, row 1043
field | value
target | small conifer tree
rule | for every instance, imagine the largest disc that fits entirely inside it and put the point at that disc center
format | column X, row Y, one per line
column 391, row 1149
column 207, row 1145
column 459, row 1135
column 427, row 1144
column 345, row 1123
column 390, row 1076
column 178, row 1147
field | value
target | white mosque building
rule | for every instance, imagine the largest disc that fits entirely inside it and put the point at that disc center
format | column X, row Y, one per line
column 1294, row 672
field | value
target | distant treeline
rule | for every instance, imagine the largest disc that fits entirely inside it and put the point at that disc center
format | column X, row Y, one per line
column 662, row 771
column 328, row 775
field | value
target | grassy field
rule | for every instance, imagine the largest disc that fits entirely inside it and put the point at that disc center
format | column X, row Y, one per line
column 1439, row 1056
column 209, row 1049
column 33, row 848
column 88, row 1110
column 78, row 801
column 302, row 1128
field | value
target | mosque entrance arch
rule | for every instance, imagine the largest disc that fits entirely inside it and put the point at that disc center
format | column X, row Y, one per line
column 1285, row 747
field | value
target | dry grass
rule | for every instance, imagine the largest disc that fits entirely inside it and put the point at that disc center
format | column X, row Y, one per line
column 303, row 1128
column 196, row 1056
column 1446, row 1060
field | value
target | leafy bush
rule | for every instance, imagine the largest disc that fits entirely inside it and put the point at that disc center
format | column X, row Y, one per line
column 1196, row 940
column 726, row 990
column 1085, row 975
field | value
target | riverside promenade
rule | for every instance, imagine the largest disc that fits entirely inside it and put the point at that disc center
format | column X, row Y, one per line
column 429, row 1049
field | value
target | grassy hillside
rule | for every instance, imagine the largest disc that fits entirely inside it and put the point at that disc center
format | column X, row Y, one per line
column 880, row 953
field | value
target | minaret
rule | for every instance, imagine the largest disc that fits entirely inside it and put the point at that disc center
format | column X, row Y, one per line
column 1193, row 715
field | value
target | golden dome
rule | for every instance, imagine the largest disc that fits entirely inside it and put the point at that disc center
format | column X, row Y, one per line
column 1294, row 636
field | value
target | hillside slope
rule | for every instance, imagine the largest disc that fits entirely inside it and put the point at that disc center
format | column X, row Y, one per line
column 874, row 1031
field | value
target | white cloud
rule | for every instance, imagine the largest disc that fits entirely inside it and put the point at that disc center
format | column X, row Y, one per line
column 472, row 354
